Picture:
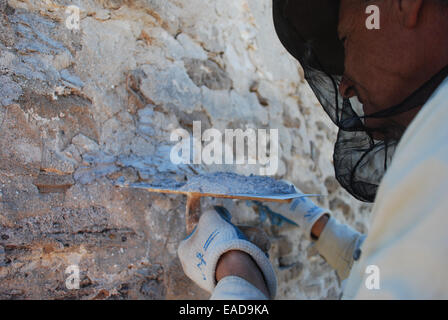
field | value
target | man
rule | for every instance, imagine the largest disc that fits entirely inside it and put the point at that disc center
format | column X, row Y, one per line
column 385, row 85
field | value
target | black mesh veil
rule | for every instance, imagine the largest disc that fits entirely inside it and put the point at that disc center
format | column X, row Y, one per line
column 308, row 30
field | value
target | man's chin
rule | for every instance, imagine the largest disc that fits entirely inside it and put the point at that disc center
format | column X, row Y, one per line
column 388, row 127
column 383, row 129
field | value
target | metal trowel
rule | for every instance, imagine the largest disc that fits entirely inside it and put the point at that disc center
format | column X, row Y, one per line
column 192, row 212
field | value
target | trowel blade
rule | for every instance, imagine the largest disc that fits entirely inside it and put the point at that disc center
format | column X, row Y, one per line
column 257, row 197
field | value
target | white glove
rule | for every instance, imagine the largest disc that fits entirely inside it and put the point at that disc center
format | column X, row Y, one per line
column 213, row 236
column 305, row 212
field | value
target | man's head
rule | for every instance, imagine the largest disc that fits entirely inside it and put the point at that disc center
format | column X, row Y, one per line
column 393, row 70
column 384, row 66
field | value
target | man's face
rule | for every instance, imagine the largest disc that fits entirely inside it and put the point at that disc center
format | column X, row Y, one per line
column 380, row 65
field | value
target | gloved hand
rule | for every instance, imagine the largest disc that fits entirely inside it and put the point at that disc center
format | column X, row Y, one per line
column 213, row 236
column 305, row 212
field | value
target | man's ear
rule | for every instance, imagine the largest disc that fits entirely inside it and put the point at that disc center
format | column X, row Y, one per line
column 408, row 12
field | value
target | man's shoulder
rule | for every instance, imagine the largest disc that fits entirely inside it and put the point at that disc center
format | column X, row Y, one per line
column 423, row 150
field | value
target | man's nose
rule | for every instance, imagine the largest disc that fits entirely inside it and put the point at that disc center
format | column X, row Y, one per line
column 346, row 88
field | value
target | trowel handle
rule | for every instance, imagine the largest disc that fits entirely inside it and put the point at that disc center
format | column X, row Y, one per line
column 192, row 213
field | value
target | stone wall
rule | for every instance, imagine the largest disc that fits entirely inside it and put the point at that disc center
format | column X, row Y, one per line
column 81, row 108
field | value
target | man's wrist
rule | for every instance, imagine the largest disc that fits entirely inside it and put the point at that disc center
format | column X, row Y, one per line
column 319, row 226
column 240, row 264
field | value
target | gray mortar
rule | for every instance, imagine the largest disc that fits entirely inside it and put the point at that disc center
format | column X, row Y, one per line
column 232, row 183
column 219, row 183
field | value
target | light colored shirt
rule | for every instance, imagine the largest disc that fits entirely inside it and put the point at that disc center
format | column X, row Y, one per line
column 405, row 255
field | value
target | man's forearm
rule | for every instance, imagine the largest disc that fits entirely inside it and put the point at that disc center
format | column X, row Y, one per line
column 319, row 226
column 240, row 264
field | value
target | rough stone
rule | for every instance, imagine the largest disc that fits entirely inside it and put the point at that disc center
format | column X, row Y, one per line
column 49, row 183
column 192, row 49
column 173, row 88
column 207, row 73
column 84, row 144
column 2, row 257
column 10, row 91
